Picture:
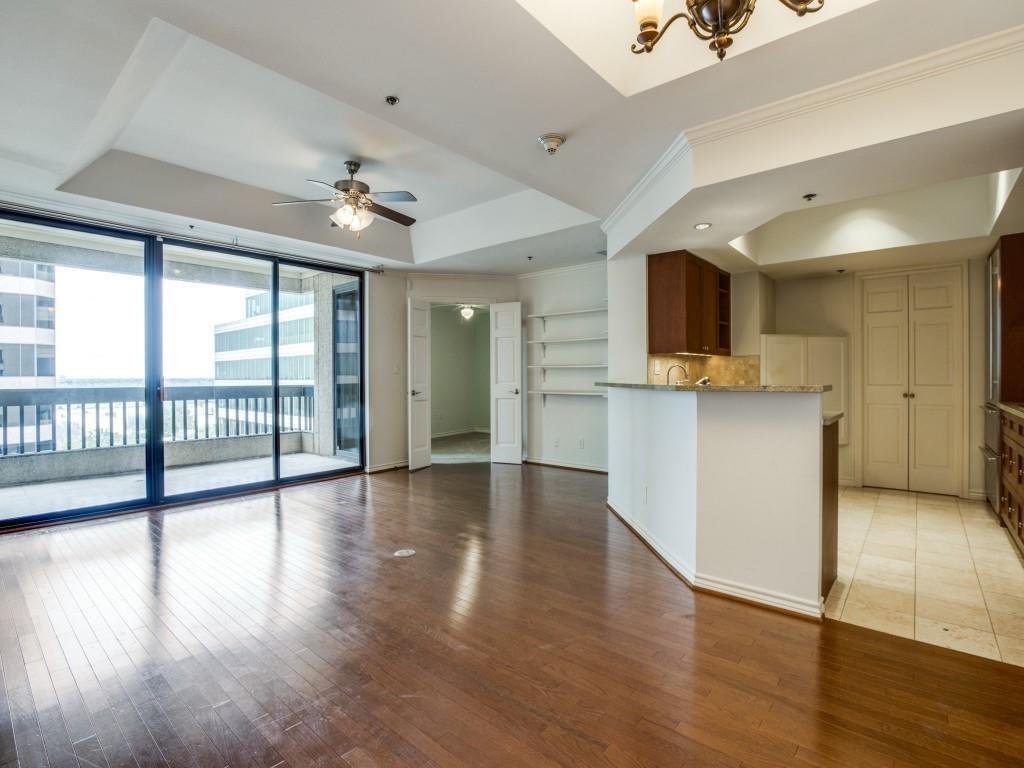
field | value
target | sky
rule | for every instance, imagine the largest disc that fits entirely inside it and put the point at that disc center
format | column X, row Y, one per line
column 100, row 325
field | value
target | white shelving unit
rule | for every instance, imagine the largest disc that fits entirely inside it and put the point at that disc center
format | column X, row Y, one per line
column 573, row 386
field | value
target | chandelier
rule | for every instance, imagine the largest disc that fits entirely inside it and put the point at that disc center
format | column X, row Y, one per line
column 713, row 20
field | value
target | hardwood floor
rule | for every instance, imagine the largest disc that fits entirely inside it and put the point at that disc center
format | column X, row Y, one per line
column 530, row 629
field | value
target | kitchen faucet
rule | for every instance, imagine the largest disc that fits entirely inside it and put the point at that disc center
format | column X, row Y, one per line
column 668, row 373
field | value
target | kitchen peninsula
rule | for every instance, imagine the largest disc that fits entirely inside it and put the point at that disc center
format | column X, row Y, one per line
column 734, row 487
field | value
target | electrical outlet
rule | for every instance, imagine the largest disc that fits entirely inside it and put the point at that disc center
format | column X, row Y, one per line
column 581, row 443
column 657, row 367
column 557, row 443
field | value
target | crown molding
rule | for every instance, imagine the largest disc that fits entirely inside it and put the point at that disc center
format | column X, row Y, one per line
column 677, row 151
column 603, row 264
column 934, row 64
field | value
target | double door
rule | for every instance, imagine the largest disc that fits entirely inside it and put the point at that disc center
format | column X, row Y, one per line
column 913, row 381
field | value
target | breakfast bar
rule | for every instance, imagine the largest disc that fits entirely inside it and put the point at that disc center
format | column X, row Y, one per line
column 734, row 487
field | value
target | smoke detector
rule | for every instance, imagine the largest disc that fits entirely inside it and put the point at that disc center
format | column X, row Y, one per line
column 551, row 142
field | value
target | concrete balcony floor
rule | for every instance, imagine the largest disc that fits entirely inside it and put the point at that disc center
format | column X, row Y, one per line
column 44, row 498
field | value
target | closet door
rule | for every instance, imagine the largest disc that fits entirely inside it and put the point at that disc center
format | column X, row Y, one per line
column 886, row 382
column 936, row 381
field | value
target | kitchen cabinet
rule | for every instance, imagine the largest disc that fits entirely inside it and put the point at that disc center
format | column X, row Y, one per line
column 688, row 305
column 1011, row 496
column 790, row 360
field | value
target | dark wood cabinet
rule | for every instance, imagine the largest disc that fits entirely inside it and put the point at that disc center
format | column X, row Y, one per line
column 688, row 306
column 1011, row 491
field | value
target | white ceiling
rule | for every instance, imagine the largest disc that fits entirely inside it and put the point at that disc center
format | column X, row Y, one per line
column 215, row 112
column 244, row 100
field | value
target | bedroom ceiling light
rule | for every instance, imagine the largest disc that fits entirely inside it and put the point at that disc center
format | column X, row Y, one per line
column 713, row 20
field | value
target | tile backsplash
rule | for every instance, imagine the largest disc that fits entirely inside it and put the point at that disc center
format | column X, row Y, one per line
column 738, row 370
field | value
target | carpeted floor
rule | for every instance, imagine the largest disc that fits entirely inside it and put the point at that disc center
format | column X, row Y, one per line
column 469, row 448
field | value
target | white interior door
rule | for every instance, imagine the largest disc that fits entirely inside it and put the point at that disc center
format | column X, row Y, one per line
column 419, row 384
column 886, row 382
column 506, row 383
column 936, row 381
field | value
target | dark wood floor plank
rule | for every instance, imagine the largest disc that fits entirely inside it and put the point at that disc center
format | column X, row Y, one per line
column 531, row 629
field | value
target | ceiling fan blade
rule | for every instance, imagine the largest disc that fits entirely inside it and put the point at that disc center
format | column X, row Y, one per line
column 393, row 197
column 395, row 216
column 323, row 184
column 300, row 202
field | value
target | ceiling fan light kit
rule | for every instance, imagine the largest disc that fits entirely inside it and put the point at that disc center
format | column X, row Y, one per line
column 713, row 20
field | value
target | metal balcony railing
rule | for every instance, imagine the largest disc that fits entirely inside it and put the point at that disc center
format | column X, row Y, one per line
column 78, row 418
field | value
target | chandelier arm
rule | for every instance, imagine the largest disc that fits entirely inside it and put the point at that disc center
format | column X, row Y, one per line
column 646, row 47
column 804, row 6
column 746, row 18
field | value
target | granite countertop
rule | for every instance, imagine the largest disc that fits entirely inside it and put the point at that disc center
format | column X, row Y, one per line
column 815, row 388
column 830, row 417
column 1014, row 409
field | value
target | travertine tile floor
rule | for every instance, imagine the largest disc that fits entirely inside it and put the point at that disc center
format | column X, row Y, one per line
column 934, row 568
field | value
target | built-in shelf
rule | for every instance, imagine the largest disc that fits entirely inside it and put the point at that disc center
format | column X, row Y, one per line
column 571, row 365
column 568, row 341
column 590, row 311
column 544, row 393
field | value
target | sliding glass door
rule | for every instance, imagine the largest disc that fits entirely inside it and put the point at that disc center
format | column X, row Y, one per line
column 73, row 417
column 319, row 371
column 135, row 370
column 218, row 402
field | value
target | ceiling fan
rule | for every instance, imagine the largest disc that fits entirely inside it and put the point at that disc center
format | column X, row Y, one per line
column 359, row 205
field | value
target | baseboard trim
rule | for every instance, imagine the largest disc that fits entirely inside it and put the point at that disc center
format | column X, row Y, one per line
column 678, row 569
column 711, row 585
column 386, row 467
column 454, row 432
column 567, row 465
column 975, row 495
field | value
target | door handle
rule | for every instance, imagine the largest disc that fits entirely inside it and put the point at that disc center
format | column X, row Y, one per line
column 515, row 391
column 911, row 395
column 415, row 392
column 906, row 395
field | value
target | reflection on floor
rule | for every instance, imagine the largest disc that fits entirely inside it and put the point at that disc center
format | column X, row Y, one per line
column 43, row 498
column 469, row 448
column 933, row 568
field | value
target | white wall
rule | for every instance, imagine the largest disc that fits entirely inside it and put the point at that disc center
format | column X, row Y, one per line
column 571, row 431
column 627, row 318
column 455, row 367
column 752, row 300
column 387, row 306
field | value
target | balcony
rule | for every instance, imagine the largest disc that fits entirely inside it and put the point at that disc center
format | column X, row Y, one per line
column 72, row 447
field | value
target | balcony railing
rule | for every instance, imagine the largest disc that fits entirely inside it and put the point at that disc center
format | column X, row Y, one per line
column 77, row 418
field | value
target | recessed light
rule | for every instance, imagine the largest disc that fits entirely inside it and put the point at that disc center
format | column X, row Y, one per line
column 702, row 226
column 391, row 100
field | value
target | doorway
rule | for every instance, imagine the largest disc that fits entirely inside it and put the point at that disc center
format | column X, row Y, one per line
column 456, row 374
column 460, row 418
column 914, row 391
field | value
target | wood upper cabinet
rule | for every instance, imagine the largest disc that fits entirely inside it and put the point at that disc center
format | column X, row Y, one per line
column 687, row 305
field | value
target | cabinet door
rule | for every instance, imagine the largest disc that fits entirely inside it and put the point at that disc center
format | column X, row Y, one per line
column 784, row 360
column 709, row 310
column 694, row 306
column 666, row 308
column 826, row 364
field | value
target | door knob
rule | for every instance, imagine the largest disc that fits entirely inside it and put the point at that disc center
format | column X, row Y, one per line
column 906, row 395
column 515, row 391
column 912, row 395
column 415, row 392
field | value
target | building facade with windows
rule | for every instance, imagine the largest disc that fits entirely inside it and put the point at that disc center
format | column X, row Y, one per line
column 27, row 349
column 27, row 323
